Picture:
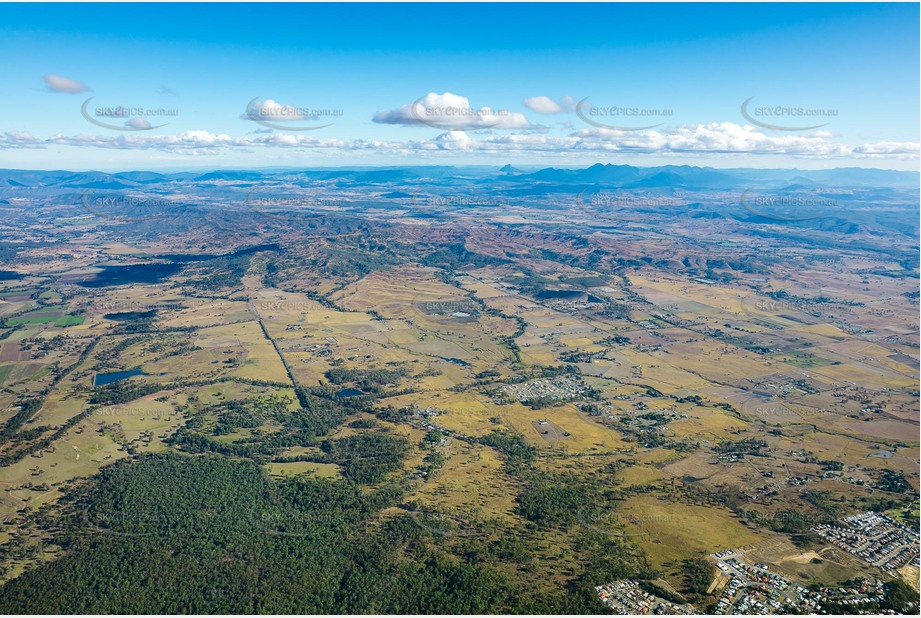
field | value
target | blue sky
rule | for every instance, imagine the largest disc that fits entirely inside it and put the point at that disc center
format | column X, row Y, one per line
column 530, row 84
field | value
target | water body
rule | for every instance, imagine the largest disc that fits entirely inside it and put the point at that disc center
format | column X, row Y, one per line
column 102, row 379
column 349, row 392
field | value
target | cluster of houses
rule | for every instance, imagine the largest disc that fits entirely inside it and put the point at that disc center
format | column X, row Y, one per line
column 874, row 538
column 626, row 597
column 559, row 388
column 752, row 589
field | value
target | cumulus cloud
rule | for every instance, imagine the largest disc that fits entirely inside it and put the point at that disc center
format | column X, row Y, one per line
column 546, row 105
column 56, row 83
column 273, row 111
column 451, row 112
column 702, row 140
column 712, row 138
column 19, row 139
column 724, row 138
column 139, row 123
column 888, row 149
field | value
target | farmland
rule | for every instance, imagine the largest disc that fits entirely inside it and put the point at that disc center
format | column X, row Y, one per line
column 528, row 399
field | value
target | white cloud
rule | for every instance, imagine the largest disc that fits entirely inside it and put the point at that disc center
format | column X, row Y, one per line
column 273, row 111
column 701, row 140
column 546, row 105
column 452, row 112
column 139, row 123
column 888, row 148
column 19, row 139
column 56, row 83
column 715, row 138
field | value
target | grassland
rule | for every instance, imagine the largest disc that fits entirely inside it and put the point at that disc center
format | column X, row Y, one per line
column 676, row 374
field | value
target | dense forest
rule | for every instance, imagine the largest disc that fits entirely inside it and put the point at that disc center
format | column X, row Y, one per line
column 208, row 534
column 203, row 528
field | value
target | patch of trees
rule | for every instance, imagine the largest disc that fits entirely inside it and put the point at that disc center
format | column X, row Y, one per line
column 26, row 409
column 544, row 401
column 697, row 574
column 552, row 500
column 219, row 273
column 122, row 392
column 194, row 442
column 893, row 481
column 454, row 256
column 608, row 558
column 113, row 351
column 367, row 458
column 33, row 447
column 170, row 534
column 366, row 379
column 248, row 413
column 518, row 453
column 489, row 373
column 746, row 446
column 899, row 597
column 363, row 423
column 320, row 410
column 351, row 261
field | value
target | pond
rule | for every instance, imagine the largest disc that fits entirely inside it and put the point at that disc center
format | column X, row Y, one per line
column 102, row 379
column 349, row 392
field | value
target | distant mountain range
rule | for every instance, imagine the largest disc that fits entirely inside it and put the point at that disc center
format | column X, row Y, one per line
column 601, row 175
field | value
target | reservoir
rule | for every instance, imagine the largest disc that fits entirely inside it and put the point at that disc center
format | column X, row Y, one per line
column 101, row 379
